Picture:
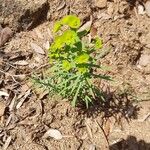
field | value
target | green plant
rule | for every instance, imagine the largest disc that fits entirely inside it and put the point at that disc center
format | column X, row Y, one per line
column 71, row 74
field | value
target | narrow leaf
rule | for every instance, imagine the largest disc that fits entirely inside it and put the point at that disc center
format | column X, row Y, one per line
column 76, row 95
column 90, row 88
column 75, row 84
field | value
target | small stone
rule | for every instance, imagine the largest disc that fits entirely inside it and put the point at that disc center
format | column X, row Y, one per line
column 147, row 8
column 141, row 10
column 144, row 60
column 100, row 3
column 54, row 134
column 5, row 34
column 92, row 147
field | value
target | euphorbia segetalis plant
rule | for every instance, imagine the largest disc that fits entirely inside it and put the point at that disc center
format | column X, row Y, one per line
column 73, row 63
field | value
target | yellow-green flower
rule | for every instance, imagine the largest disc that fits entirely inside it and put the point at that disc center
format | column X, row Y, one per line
column 83, row 58
column 66, row 65
column 70, row 37
column 72, row 21
column 58, row 44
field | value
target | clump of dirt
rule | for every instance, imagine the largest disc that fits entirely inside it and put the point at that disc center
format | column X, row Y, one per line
column 23, row 15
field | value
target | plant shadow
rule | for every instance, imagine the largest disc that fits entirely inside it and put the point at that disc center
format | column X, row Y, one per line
column 131, row 143
column 114, row 104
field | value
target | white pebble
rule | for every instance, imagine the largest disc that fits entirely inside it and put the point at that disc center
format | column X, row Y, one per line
column 141, row 10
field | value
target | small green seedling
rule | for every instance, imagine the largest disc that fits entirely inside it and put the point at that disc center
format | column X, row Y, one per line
column 72, row 63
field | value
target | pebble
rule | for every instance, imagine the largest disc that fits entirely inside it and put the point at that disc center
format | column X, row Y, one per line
column 54, row 134
column 100, row 3
column 144, row 60
column 5, row 34
column 147, row 8
column 141, row 10
column 92, row 147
